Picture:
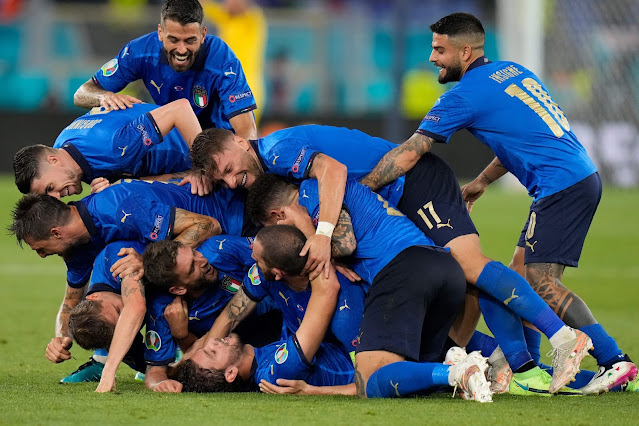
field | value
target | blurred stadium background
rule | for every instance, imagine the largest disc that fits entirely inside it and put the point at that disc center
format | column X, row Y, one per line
column 356, row 63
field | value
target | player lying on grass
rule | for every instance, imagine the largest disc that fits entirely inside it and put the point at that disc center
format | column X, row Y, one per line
column 79, row 230
column 188, row 288
column 229, row 365
column 429, row 196
column 104, row 145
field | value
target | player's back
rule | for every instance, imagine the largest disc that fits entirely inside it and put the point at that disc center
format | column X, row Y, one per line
column 101, row 277
column 523, row 126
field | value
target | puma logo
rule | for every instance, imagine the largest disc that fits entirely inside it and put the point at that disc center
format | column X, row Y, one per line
column 227, row 73
column 341, row 308
column 285, row 298
column 395, row 387
column 443, row 225
column 221, row 242
column 123, row 150
column 532, row 246
column 275, row 158
column 154, row 84
column 194, row 317
column 125, row 216
column 514, row 296
column 304, row 194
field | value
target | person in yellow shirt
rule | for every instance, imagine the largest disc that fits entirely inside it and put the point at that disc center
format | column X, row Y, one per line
column 242, row 25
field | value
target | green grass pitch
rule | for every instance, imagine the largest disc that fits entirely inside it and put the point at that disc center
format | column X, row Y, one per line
column 32, row 288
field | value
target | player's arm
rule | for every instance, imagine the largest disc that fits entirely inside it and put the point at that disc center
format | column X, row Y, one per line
column 156, row 379
column 58, row 348
column 398, row 161
column 244, row 125
column 320, row 310
column 331, row 181
column 300, row 387
column 129, row 323
column 473, row 190
column 177, row 114
column 90, row 95
column 176, row 315
column 192, row 229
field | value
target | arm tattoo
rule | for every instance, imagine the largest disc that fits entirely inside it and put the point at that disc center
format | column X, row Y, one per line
column 129, row 289
column 398, row 161
column 238, row 305
column 343, row 242
column 359, row 384
column 66, row 309
column 194, row 227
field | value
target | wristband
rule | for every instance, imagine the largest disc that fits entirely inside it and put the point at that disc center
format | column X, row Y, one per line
column 325, row 228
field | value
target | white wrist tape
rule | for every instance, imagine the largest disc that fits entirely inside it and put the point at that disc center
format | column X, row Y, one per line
column 325, row 228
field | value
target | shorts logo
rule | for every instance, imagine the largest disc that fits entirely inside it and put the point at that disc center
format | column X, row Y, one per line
column 110, row 67
column 431, row 117
column 300, row 307
column 144, row 133
column 240, row 96
column 157, row 226
column 298, row 160
column 200, row 97
column 254, row 275
column 152, row 340
column 281, row 354
column 231, row 285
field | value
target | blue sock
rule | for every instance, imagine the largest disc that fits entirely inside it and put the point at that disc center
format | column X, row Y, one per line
column 406, row 378
column 581, row 379
column 101, row 352
column 514, row 291
column 507, row 329
column 606, row 350
column 533, row 341
column 481, row 342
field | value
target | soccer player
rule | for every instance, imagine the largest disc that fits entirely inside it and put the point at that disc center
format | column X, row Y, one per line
column 436, row 207
column 532, row 139
column 179, row 61
column 139, row 142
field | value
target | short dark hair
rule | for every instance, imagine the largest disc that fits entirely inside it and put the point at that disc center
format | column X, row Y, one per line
column 88, row 328
column 207, row 143
column 282, row 245
column 201, row 380
column 458, row 24
column 34, row 215
column 182, row 11
column 160, row 260
column 269, row 191
column 26, row 165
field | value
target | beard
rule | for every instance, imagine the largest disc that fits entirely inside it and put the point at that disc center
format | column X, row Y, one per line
column 74, row 178
column 181, row 67
column 453, row 73
column 203, row 284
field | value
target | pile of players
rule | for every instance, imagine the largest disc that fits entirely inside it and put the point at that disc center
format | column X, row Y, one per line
column 273, row 265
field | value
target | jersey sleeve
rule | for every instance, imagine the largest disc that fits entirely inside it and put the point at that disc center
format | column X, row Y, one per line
column 119, row 71
column 288, row 362
column 290, row 157
column 254, row 284
column 158, row 341
column 235, row 94
column 139, row 218
column 450, row 113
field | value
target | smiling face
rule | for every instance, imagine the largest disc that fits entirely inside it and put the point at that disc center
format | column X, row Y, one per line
column 447, row 56
column 50, row 246
column 219, row 354
column 193, row 270
column 56, row 179
column 236, row 167
column 181, row 43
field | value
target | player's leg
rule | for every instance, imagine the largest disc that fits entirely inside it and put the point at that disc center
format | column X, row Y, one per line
column 90, row 371
column 466, row 322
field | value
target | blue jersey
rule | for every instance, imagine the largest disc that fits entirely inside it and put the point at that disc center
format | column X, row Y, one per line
column 506, row 107
column 215, row 85
column 123, row 143
column 231, row 256
column 290, row 153
column 344, row 325
column 285, row 360
column 101, row 276
column 381, row 231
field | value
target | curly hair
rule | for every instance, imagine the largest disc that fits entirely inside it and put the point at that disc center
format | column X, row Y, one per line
column 88, row 328
column 201, row 380
column 160, row 260
column 206, row 144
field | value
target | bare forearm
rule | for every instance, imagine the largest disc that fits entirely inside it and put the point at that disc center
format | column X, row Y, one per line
column 398, row 161
column 238, row 308
column 348, row 389
column 331, row 181
column 178, row 114
column 186, row 342
column 154, row 375
column 492, row 172
column 72, row 297
column 88, row 95
column 343, row 242
column 244, row 125
column 193, row 229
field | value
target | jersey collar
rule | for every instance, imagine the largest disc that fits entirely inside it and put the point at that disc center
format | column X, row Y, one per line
column 87, row 172
column 257, row 152
column 85, row 216
column 482, row 60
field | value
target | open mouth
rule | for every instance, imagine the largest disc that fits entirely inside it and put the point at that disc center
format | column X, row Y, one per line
column 181, row 59
column 243, row 183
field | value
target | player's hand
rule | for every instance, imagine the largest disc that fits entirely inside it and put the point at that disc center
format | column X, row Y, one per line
column 298, row 216
column 99, row 184
column 346, row 271
column 116, row 101
column 200, row 183
column 58, row 349
column 285, row 387
column 169, row 386
column 129, row 264
column 177, row 315
column 107, row 384
column 318, row 248
column 472, row 191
